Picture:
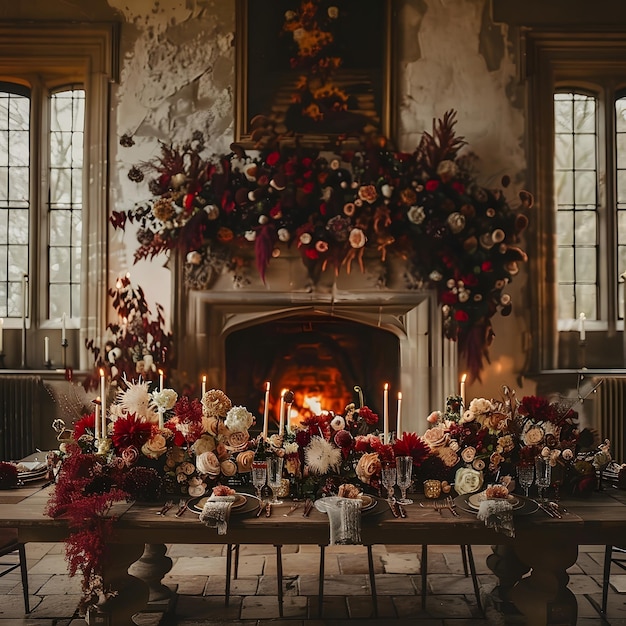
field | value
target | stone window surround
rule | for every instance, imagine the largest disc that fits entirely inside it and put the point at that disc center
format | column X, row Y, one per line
column 49, row 55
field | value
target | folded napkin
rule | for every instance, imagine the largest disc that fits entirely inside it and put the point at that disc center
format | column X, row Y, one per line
column 497, row 514
column 344, row 518
column 216, row 512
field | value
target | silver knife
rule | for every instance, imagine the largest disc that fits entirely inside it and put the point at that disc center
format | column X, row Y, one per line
column 554, row 508
column 291, row 509
column 545, row 509
column 393, row 508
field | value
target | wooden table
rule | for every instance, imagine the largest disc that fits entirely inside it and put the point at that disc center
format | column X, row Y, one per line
column 544, row 546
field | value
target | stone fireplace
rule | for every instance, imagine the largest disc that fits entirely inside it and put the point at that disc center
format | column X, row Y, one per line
column 320, row 340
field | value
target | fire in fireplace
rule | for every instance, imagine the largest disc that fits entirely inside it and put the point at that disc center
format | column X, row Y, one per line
column 320, row 358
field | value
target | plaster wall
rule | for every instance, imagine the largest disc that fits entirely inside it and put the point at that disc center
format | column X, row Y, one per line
column 178, row 76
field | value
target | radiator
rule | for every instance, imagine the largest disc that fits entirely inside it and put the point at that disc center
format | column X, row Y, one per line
column 610, row 414
column 20, row 407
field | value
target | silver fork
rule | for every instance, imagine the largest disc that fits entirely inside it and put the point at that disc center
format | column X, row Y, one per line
column 451, row 504
column 438, row 506
column 166, row 507
column 182, row 507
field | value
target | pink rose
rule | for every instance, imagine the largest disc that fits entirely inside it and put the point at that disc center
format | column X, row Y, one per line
column 207, row 463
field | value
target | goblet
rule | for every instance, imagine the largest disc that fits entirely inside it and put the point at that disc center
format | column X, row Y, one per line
column 388, row 475
column 275, row 476
column 526, row 476
column 543, row 475
column 259, row 477
column 404, row 469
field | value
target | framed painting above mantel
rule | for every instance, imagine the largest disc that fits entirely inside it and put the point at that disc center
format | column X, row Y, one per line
column 312, row 69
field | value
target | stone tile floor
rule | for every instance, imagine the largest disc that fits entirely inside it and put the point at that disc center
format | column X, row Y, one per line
column 198, row 573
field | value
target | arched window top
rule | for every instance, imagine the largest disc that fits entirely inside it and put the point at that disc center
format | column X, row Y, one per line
column 14, row 88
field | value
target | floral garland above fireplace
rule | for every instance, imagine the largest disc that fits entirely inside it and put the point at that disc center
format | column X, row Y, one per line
column 424, row 207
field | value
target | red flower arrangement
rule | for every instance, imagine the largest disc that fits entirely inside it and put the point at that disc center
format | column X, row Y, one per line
column 138, row 345
column 339, row 209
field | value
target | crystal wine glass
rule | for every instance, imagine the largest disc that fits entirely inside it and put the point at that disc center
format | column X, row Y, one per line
column 275, row 476
column 404, row 468
column 543, row 475
column 526, row 476
column 388, row 475
column 259, row 477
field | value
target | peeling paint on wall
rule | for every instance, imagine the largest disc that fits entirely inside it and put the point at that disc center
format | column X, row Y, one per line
column 453, row 73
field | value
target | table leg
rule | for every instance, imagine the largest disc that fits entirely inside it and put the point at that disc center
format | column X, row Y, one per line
column 508, row 568
column 543, row 596
column 131, row 593
column 151, row 568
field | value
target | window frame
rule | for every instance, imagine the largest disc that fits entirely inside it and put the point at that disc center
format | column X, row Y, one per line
column 555, row 59
column 45, row 56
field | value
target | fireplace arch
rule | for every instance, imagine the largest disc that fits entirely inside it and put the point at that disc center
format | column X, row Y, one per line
column 404, row 326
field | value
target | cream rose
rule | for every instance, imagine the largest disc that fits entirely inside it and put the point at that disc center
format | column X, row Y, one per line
column 533, row 436
column 467, row 480
column 368, row 466
column 237, row 441
column 196, row 490
column 155, row 447
column 228, row 467
column 416, row 214
column 210, row 425
column 481, row 405
column 187, row 468
column 206, row 443
column 207, row 463
column 245, row 460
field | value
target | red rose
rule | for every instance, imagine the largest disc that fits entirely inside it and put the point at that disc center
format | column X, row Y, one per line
column 276, row 211
column 307, row 162
column 322, row 208
column 188, row 201
column 308, row 188
column 469, row 280
column 461, row 316
column 273, row 158
column 312, row 253
column 458, row 187
column 290, row 168
column 486, row 266
column 432, row 185
column 449, row 297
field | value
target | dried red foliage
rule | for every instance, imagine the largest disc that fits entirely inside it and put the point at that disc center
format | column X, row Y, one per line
column 85, row 510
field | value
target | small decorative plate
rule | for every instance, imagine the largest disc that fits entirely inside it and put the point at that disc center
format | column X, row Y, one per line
column 476, row 498
column 367, row 502
column 244, row 503
column 526, row 506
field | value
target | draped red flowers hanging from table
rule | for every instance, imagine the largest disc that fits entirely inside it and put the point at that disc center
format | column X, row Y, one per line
column 338, row 210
